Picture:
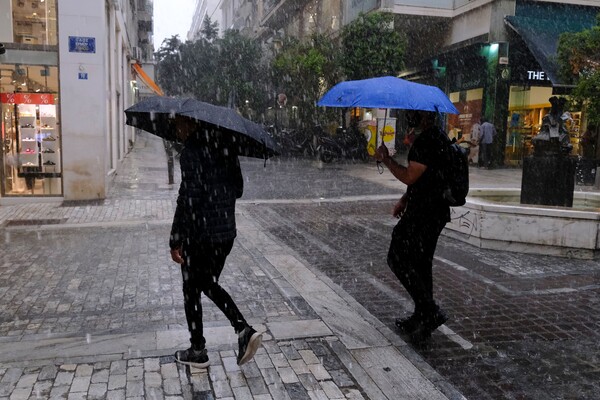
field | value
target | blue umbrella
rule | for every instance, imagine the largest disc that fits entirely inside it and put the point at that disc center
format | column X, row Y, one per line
column 388, row 92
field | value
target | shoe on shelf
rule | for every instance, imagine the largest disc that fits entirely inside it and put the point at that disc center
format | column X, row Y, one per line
column 28, row 139
column 49, row 139
column 48, row 151
column 49, row 163
column 407, row 325
column 249, row 341
column 193, row 358
column 428, row 325
column 29, row 164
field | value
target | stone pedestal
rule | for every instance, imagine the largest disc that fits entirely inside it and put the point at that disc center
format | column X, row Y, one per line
column 548, row 180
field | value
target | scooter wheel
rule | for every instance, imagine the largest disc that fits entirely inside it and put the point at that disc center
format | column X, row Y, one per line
column 326, row 157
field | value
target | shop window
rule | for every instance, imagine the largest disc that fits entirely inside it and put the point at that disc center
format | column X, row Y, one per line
column 527, row 107
column 30, row 131
column 28, row 22
column 468, row 103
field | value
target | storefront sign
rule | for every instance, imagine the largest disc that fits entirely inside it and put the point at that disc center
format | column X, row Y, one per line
column 79, row 44
column 537, row 76
column 26, row 98
column 83, row 75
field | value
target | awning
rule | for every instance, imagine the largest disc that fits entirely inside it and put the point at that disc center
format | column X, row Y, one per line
column 146, row 80
column 541, row 36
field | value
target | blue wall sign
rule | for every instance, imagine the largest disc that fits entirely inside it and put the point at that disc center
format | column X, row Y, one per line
column 80, row 44
column 83, row 75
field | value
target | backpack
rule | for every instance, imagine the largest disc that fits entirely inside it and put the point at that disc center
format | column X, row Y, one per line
column 455, row 172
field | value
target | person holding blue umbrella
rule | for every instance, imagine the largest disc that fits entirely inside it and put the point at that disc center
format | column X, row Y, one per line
column 423, row 213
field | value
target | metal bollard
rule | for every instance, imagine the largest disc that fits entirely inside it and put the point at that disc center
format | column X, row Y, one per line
column 170, row 161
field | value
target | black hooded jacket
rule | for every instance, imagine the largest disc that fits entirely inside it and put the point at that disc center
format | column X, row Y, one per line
column 211, row 181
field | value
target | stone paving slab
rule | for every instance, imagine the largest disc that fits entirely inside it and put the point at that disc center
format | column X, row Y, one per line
column 291, row 369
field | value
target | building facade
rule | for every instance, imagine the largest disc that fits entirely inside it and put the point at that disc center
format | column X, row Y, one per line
column 494, row 58
column 203, row 9
column 66, row 77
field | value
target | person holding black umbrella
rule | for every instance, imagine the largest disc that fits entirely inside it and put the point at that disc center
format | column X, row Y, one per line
column 423, row 213
column 203, row 233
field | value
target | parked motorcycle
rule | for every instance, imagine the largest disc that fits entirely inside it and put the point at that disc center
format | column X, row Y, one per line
column 294, row 142
column 347, row 143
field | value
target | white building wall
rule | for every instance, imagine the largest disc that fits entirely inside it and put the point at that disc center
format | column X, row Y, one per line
column 83, row 105
column 469, row 25
column 210, row 8
column 94, row 136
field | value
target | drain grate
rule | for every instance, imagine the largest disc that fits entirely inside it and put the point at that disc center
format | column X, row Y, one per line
column 29, row 222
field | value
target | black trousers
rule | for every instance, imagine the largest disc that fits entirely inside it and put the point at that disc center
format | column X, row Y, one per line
column 203, row 264
column 410, row 257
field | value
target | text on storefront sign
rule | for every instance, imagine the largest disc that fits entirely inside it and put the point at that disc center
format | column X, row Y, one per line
column 537, row 76
column 26, row 98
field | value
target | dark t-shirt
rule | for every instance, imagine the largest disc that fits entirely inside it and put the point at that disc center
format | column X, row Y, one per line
column 425, row 195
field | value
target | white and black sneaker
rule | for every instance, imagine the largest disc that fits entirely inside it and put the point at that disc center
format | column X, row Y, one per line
column 194, row 358
column 249, row 341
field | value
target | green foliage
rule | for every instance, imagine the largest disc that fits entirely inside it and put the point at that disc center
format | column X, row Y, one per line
column 240, row 75
column 210, row 30
column 170, row 66
column 199, row 62
column 371, row 47
column 301, row 70
column 579, row 60
column 224, row 71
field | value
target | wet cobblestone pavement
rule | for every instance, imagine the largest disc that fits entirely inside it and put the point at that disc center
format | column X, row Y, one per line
column 521, row 327
column 280, row 370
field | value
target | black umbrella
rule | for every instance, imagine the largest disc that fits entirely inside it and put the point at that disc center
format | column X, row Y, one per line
column 158, row 114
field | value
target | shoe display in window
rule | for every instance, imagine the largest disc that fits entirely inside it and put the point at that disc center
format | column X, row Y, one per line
column 29, row 164
column 48, row 151
column 49, row 163
column 49, row 139
column 28, row 151
column 27, row 126
column 28, row 139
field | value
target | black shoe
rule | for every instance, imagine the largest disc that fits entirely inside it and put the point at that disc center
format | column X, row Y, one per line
column 194, row 358
column 428, row 325
column 407, row 325
column 249, row 341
